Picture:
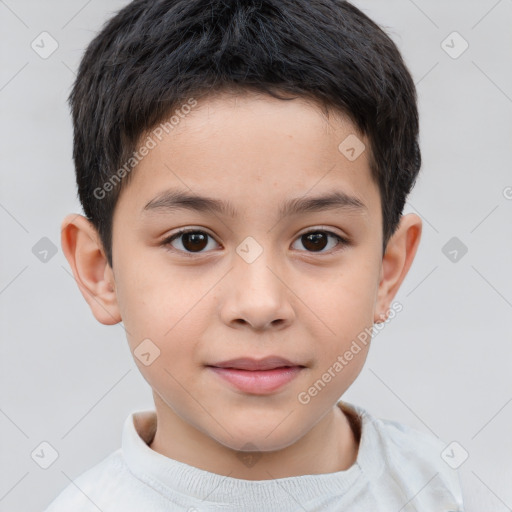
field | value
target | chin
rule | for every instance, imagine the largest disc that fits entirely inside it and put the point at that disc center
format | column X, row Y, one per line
column 252, row 438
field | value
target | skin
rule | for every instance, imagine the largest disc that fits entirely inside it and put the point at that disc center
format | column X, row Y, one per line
column 292, row 301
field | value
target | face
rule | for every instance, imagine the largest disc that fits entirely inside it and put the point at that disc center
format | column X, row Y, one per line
column 254, row 278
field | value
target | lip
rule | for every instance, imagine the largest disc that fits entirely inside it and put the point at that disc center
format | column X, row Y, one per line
column 249, row 363
column 258, row 377
column 258, row 382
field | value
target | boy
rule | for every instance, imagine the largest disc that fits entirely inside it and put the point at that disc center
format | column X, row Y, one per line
column 243, row 166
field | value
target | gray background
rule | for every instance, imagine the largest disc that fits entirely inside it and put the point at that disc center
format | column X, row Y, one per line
column 442, row 366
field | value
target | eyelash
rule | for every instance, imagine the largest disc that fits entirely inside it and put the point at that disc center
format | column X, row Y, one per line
column 167, row 242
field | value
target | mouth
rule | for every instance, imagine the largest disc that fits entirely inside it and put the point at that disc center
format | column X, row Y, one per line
column 250, row 364
column 258, row 377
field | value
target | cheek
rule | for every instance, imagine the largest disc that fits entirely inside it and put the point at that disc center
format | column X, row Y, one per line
column 150, row 305
column 167, row 331
column 346, row 298
column 345, row 305
column 173, row 320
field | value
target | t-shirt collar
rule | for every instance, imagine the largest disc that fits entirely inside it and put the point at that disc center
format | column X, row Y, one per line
column 171, row 476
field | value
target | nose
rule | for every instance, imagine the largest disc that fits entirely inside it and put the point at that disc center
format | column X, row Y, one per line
column 256, row 296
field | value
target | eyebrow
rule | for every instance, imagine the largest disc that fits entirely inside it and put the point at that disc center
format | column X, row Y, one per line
column 175, row 199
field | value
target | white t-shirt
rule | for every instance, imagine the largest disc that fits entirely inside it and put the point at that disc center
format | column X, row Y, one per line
column 398, row 468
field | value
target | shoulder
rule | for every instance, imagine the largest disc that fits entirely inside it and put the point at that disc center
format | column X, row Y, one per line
column 396, row 455
column 86, row 491
column 395, row 437
column 403, row 439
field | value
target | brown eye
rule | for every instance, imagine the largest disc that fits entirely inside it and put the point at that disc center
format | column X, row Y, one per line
column 317, row 241
column 314, row 241
column 195, row 241
column 192, row 241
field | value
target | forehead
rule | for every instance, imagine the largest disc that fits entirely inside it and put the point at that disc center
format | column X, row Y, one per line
column 243, row 147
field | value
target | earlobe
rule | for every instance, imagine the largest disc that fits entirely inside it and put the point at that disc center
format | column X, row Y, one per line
column 82, row 247
column 396, row 262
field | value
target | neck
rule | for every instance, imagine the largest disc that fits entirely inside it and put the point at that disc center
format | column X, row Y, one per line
column 330, row 446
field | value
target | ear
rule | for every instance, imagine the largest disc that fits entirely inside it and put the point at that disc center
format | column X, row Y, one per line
column 396, row 262
column 82, row 247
